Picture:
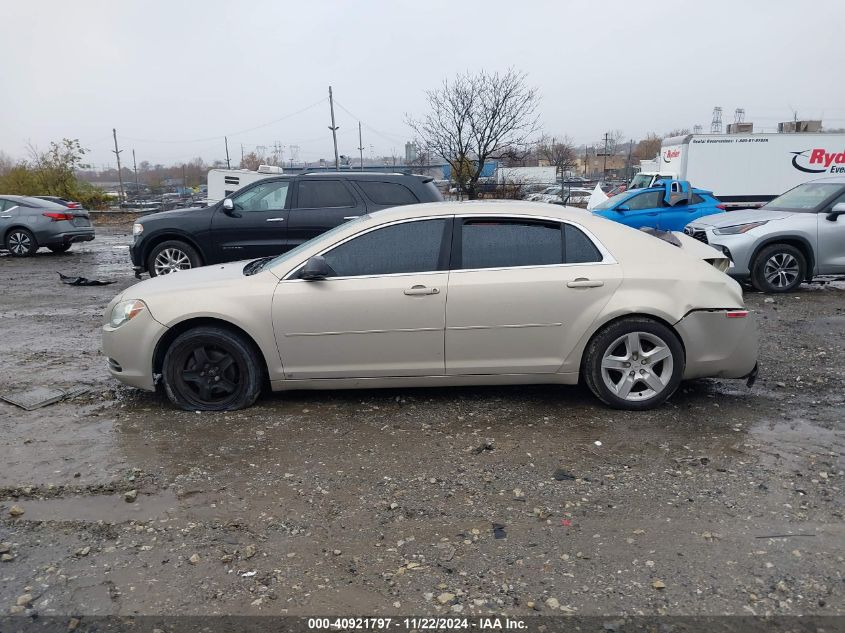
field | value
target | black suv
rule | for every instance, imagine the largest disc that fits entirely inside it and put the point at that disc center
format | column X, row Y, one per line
column 267, row 218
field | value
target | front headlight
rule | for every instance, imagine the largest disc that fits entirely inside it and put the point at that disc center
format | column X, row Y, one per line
column 738, row 228
column 126, row 311
column 137, row 228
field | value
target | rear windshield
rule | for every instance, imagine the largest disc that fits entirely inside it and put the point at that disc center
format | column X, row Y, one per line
column 805, row 197
column 40, row 203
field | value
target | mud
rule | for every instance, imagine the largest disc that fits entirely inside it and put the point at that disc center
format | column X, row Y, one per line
column 383, row 501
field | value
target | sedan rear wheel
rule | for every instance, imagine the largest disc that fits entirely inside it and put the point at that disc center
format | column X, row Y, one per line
column 212, row 369
column 21, row 243
column 634, row 364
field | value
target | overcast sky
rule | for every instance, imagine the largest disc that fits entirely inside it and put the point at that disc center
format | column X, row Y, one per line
column 174, row 76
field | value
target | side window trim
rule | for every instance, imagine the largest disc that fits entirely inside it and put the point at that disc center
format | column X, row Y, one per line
column 457, row 231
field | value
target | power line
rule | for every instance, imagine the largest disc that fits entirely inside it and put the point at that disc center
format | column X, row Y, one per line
column 217, row 138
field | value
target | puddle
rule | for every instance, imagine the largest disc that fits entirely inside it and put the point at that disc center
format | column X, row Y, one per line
column 93, row 508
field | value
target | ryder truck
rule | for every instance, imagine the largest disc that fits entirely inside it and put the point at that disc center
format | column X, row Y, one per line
column 747, row 170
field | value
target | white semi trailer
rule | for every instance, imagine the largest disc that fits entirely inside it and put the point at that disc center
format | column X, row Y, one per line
column 747, row 170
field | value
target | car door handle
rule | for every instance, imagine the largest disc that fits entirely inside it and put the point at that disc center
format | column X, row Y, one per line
column 274, row 220
column 416, row 291
column 582, row 282
column 350, row 217
column 5, row 216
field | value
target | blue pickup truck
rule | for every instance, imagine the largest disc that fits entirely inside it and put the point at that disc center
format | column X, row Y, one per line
column 669, row 206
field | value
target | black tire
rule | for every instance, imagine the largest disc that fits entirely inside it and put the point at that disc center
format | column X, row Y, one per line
column 21, row 243
column 778, row 268
column 171, row 256
column 212, row 369
column 60, row 248
column 611, row 344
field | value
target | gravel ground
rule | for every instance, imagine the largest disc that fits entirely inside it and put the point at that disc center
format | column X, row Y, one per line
column 430, row 501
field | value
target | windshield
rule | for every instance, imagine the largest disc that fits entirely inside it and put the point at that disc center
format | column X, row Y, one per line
column 640, row 181
column 805, row 197
column 294, row 252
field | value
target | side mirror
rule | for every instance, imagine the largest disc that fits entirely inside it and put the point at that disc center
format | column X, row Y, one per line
column 228, row 204
column 837, row 210
column 623, row 207
column 316, row 268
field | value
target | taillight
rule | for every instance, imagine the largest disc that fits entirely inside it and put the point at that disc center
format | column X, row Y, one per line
column 721, row 206
column 737, row 314
column 74, row 205
column 57, row 217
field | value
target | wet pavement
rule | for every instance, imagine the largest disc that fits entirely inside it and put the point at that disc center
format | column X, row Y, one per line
column 514, row 500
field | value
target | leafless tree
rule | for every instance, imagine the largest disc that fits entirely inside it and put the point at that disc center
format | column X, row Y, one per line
column 474, row 118
column 252, row 160
column 560, row 153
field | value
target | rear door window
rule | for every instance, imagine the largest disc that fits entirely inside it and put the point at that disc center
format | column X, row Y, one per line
column 323, row 194
column 496, row 243
column 389, row 194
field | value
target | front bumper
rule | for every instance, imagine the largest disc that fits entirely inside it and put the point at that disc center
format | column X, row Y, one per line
column 717, row 345
column 130, row 347
column 738, row 248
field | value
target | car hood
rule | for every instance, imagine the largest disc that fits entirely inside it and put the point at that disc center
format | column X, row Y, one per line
column 175, row 213
column 212, row 277
column 732, row 218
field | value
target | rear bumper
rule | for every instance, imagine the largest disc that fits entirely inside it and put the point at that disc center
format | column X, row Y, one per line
column 67, row 237
column 718, row 346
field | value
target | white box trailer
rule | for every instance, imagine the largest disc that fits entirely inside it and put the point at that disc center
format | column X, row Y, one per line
column 746, row 170
column 223, row 182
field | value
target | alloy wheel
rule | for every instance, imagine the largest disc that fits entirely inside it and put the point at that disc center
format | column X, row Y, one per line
column 637, row 366
column 171, row 260
column 19, row 243
column 781, row 270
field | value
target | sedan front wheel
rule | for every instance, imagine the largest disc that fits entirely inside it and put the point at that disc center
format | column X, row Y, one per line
column 634, row 364
column 212, row 369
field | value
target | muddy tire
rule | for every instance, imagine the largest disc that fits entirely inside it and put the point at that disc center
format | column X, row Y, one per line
column 778, row 268
column 172, row 256
column 21, row 243
column 212, row 369
column 633, row 364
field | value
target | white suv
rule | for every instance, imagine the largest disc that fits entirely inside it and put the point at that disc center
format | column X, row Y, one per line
column 793, row 238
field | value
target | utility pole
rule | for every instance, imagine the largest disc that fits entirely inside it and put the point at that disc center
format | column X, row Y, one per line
column 360, row 146
column 135, row 169
column 228, row 165
column 242, row 153
column 184, row 180
column 119, row 174
column 604, row 170
column 333, row 128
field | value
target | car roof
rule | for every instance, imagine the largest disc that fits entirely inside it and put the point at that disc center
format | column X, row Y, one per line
column 360, row 175
column 834, row 180
column 484, row 208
